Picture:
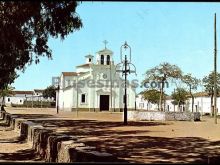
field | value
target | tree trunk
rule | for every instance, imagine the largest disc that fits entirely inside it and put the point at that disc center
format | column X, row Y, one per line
column 147, row 105
column 212, row 104
column 190, row 90
column 161, row 96
column 3, row 104
column 164, row 103
column 179, row 106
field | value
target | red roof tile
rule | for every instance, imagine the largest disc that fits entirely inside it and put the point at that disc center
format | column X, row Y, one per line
column 23, row 92
column 83, row 65
column 69, row 73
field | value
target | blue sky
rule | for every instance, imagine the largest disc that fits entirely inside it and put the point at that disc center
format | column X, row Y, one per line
column 174, row 32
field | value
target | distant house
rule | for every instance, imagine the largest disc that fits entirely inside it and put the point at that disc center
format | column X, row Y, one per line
column 202, row 104
column 142, row 104
column 18, row 97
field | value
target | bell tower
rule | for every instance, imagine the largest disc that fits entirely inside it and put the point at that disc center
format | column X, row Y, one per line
column 104, row 57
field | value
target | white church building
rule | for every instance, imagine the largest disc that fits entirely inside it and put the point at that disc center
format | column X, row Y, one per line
column 94, row 86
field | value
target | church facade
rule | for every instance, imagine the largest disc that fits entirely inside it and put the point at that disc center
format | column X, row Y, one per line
column 94, row 86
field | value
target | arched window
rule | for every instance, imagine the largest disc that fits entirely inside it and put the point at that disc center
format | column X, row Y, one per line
column 108, row 60
column 102, row 59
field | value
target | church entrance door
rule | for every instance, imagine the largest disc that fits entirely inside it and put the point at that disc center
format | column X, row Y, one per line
column 104, row 103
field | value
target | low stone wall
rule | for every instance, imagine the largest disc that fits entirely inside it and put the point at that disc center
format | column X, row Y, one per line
column 52, row 146
column 145, row 115
column 163, row 116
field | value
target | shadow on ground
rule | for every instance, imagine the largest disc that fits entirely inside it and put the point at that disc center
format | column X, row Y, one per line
column 22, row 155
column 129, row 143
column 135, row 145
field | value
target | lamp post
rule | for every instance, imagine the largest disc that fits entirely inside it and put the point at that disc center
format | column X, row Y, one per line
column 125, row 65
column 58, row 89
column 77, row 79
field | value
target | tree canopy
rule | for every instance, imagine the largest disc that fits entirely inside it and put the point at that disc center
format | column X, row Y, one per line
column 161, row 74
column 50, row 92
column 179, row 96
column 25, row 28
column 192, row 83
column 152, row 95
column 208, row 82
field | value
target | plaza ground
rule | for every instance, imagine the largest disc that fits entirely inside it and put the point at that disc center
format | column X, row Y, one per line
column 140, row 142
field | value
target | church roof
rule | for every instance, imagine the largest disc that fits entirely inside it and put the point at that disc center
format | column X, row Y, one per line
column 69, row 73
column 105, row 50
column 83, row 65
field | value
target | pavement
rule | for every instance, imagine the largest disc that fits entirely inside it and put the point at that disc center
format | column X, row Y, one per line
column 138, row 142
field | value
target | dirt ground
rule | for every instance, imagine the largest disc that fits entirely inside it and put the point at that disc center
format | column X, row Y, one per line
column 140, row 142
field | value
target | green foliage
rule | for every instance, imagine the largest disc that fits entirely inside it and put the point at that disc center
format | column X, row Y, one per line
column 190, row 81
column 161, row 74
column 50, row 92
column 25, row 28
column 208, row 82
column 152, row 95
column 7, row 91
column 179, row 96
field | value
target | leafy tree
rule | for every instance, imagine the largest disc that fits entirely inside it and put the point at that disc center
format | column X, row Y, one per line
column 192, row 83
column 50, row 92
column 208, row 82
column 161, row 74
column 152, row 96
column 25, row 28
column 7, row 91
column 179, row 96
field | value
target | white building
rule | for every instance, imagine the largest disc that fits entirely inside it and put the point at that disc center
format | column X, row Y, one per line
column 95, row 86
column 18, row 97
column 202, row 104
column 143, row 104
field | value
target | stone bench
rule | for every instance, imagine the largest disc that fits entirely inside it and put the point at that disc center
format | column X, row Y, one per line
column 63, row 150
column 52, row 145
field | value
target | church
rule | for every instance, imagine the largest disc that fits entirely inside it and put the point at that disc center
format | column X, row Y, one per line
column 95, row 86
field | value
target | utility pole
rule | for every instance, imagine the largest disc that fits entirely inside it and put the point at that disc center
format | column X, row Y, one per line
column 215, row 70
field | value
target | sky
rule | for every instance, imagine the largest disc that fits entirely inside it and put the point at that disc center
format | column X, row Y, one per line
column 181, row 33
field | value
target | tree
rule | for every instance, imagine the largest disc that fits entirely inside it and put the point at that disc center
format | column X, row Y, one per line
column 208, row 82
column 25, row 28
column 192, row 83
column 152, row 96
column 7, row 91
column 179, row 96
column 161, row 74
column 50, row 92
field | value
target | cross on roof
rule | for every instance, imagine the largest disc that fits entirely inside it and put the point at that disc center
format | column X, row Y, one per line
column 105, row 42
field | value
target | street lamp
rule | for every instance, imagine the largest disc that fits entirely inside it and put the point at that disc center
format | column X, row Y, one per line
column 58, row 89
column 126, row 69
column 56, row 84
